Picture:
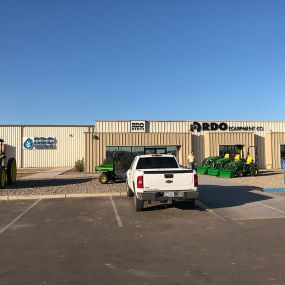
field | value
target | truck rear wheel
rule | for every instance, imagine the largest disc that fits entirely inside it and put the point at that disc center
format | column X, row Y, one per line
column 129, row 192
column 2, row 177
column 11, row 171
column 138, row 204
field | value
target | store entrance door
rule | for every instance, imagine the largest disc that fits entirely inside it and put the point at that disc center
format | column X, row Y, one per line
column 152, row 150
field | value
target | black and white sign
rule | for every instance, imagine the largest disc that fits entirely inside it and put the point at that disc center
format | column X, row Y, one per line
column 39, row 143
column 213, row 126
column 138, row 126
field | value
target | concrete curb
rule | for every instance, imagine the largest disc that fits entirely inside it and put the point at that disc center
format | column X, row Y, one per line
column 59, row 196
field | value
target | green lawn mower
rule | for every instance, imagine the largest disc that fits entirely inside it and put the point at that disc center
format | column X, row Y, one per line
column 7, row 175
column 242, row 167
column 115, row 168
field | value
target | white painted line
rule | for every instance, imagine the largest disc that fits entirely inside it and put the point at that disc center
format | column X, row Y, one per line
column 19, row 217
column 256, row 218
column 120, row 224
column 270, row 207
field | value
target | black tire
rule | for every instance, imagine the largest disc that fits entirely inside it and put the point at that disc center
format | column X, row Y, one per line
column 2, row 177
column 240, row 173
column 130, row 193
column 138, row 204
column 11, row 171
column 103, row 178
column 254, row 172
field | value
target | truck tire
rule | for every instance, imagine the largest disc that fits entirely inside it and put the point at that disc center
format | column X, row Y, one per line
column 2, row 177
column 130, row 193
column 138, row 204
column 103, row 178
column 11, row 171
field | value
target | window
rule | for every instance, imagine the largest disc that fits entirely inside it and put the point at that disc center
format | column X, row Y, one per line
column 157, row 162
column 231, row 149
column 133, row 151
column 282, row 151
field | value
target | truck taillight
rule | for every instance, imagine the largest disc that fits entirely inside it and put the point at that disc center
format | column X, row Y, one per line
column 140, row 182
column 196, row 181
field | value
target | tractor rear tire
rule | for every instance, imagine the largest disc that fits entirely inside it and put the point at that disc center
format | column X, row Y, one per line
column 103, row 178
column 240, row 173
column 2, row 177
column 254, row 172
column 11, row 171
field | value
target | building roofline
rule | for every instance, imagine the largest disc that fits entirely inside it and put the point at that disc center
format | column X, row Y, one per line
column 22, row 125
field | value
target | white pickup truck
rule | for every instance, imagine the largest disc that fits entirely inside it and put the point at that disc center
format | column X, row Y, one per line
column 160, row 178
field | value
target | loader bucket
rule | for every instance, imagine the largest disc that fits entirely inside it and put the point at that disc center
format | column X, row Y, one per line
column 202, row 170
column 226, row 173
column 213, row 172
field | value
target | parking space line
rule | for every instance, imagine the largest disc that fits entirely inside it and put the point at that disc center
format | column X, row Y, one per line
column 270, row 207
column 119, row 221
column 19, row 217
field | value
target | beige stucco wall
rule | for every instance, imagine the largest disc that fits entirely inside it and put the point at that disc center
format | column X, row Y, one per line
column 95, row 144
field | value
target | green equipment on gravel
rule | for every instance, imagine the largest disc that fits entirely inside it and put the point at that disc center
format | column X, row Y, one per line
column 242, row 167
column 116, row 170
column 8, row 175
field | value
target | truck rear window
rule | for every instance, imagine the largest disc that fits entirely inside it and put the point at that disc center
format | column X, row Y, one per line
column 156, row 162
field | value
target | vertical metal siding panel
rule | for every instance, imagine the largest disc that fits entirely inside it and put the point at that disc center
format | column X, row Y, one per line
column 70, row 146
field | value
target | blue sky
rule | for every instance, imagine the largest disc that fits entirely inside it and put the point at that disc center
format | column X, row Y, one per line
column 72, row 62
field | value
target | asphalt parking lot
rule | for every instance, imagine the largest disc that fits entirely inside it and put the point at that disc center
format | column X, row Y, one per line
column 240, row 240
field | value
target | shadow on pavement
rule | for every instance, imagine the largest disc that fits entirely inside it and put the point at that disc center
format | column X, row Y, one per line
column 47, row 183
column 217, row 196
column 181, row 205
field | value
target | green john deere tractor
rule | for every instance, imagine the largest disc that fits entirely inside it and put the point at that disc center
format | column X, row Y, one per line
column 206, row 164
column 219, row 164
column 242, row 167
column 8, row 175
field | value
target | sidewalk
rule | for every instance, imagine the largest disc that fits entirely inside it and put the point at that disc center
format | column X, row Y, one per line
column 47, row 174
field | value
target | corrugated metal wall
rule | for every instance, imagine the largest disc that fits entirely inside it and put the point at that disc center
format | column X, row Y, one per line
column 70, row 145
column 95, row 144
column 273, row 151
column 184, row 126
column 214, row 140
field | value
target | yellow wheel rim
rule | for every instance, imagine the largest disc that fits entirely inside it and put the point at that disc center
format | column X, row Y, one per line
column 104, row 179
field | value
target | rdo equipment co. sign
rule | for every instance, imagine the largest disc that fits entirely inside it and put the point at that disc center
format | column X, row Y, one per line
column 39, row 143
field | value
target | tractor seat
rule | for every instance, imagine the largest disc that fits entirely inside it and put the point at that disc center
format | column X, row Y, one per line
column 237, row 157
column 227, row 155
column 249, row 160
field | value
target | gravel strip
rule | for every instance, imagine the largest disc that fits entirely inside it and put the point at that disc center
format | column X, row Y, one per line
column 62, row 185
column 265, row 179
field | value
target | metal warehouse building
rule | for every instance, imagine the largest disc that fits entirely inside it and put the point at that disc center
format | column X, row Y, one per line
column 58, row 146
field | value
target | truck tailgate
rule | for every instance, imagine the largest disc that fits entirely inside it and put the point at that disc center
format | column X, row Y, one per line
column 168, row 180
